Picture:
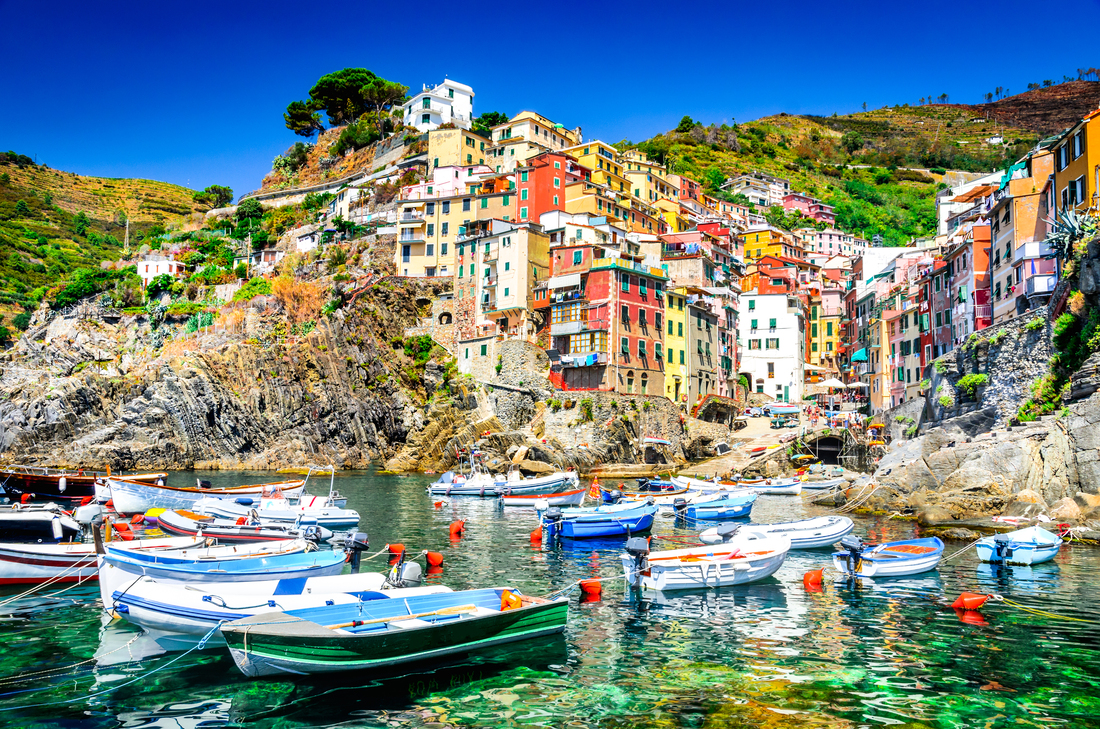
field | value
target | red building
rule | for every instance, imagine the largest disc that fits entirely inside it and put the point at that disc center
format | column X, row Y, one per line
column 541, row 184
column 606, row 319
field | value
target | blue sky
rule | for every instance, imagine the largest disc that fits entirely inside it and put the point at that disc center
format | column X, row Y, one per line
column 193, row 93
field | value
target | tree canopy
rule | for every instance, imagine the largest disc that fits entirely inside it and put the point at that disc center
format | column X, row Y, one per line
column 216, row 196
column 344, row 96
column 484, row 124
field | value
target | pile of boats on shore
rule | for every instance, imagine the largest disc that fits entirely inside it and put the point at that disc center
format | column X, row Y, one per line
column 251, row 566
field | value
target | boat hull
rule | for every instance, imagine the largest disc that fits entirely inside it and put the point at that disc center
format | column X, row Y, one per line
column 732, row 508
column 668, row 571
column 877, row 562
column 288, row 644
column 132, row 497
column 555, row 482
column 172, row 522
column 332, row 518
column 66, row 562
column 813, row 533
column 562, row 498
column 1033, row 545
column 46, row 483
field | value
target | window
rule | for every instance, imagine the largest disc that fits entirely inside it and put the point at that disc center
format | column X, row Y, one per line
column 443, row 228
column 657, row 353
column 707, row 344
column 426, row 118
column 507, row 265
column 828, row 346
column 752, row 306
column 484, row 350
column 460, row 271
column 680, row 329
column 813, row 329
column 813, row 346
column 430, row 208
column 429, row 250
column 753, row 323
column 431, row 229
column 1078, row 144
column 642, row 318
column 555, row 200
column 443, row 249
column 467, row 355
column 772, row 343
column 485, row 200
column 642, row 288
column 699, row 345
column 446, row 207
column 641, row 349
column 771, row 323
column 670, row 351
column 523, row 211
column 577, row 257
column 681, row 356
column 505, row 290
column 466, row 205
column 523, row 194
column 657, row 321
column 436, row 162
column 828, row 329
column 754, row 344
column 557, row 182
column 471, row 270
column 625, row 345
column 626, row 283
column 523, row 178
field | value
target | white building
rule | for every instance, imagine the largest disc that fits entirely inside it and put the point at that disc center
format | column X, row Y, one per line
column 771, row 328
column 152, row 266
column 449, row 102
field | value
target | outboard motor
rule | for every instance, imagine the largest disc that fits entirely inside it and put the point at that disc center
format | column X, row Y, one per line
column 638, row 548
column 680, row 506
column 312, row 533
column 854, row 546
column 405, row 574
column 203, row 484
column 551, row 519
column 613, row 497
column 728, row 531
column 1002, row 548
column 355, row 543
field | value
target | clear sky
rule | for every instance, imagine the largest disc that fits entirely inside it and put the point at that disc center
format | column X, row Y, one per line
column 193, row 93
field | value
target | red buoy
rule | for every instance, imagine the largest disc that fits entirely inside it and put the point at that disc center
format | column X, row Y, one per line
column 969, row 601
column 536, row 535
column 435, row 559
column 439, row 504
column 396, row 550
column 591, row 587
column 137, row 519
column 813, row 578
column 457, row 528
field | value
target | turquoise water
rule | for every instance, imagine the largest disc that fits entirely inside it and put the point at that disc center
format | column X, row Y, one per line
column 768, row 654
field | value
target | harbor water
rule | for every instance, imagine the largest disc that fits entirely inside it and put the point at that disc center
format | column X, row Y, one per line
column 768, row 654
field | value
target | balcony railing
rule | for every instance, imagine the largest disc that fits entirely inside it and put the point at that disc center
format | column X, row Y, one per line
column 584, row 359
column 414, row 217
column 1041, row 284
column 1040, row 249
column 983, row 311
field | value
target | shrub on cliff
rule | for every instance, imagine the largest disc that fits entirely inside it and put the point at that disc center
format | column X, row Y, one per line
column 255, row 287
column 300, row 300
column 971, row 383
column 88, row 281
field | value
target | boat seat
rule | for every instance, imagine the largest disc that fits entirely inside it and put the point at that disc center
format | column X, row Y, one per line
column 910, row 549
column 410, row 623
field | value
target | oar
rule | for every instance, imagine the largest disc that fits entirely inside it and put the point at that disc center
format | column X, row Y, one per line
column 458, row 610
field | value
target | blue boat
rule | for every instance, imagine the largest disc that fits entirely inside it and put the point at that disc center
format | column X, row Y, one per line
column 889, row 559
column 261, row 567
column 609, row 520
column 725, row 506
column 1033, row 545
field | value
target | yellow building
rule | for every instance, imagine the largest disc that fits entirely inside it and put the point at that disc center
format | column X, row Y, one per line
column 1077, row 165
column 824, row 338
column 673, row 214
column 651, row 186
column 764, row 240
column 429, row 228
column 456, row 148
column 603, row 160
column 675, row 340
column 633, row 160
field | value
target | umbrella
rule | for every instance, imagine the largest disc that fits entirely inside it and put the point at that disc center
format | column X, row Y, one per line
column 833, row 382
column 858, row 384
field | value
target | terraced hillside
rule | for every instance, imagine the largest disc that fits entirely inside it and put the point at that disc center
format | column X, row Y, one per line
column 53, row 223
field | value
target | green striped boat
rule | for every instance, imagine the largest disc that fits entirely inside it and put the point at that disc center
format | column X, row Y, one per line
column 367, row 636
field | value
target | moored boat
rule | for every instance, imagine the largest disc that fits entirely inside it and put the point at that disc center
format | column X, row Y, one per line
column 187, row 523
column 608, row 520
column 276, row 511
column 384, row 633
column 821, row 531
column 889, row 559
column 136, row 497
column 560, row 498
column 480, row 482
column 720, row 506
column 748, row 558
column 1033, row 545
column 67, row 561
column 32, row 523
column 38, row 482
column 774, row 487
column 809, row 485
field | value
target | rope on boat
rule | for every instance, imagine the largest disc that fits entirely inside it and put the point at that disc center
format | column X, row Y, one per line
column 46, row 583
column 956, row 554
column 568, row 588
column 199, row 646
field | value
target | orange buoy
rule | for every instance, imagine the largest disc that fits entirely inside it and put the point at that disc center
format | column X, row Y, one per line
column 137, row 519
column 457, row 528
column 435, row 559
column 536, row 535
column 969, row 601
column 396, row 550
column 970, row 617
column 110, row 504
column 591, row 587
column 439, row 504
column 121, row 526
column 813, row 578
column 435, row 570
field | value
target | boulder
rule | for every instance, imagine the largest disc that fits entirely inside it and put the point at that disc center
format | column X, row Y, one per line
column 771, row 469
column 536, row 467
column 1085, row 380
column 1065, row 510
column 934, row 515
column 960, row 533
column 1026, row 503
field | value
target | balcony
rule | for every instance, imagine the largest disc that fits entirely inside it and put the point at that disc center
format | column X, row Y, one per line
column 1034, row 250
column 414, row 216
column 1041, row 285
column 410, row 237
column 584, row 359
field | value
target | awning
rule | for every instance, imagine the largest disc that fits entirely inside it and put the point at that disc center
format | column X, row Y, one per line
column 860, row 356
column 808, row 366
column 564, row 282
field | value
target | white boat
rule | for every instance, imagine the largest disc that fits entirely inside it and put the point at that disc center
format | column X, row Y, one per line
column 136, row 497
column 889, row 559
column 820, row 531
column 561, row 498
column 1033, row 545
column 67, row 561
column 277, row 511
column 773, row 487
column 189, row 611
column 808, row 485
column 479, row 482
column 748, row 558
column 36, row 523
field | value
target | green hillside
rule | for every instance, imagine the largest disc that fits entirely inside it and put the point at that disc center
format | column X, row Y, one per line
column 857, row 162
column 53, row 223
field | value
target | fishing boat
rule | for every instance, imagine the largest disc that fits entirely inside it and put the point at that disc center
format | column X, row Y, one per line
column 809, row 485
column 608, row 520
column 28, row 564
column 889, row 559
column 192, row 610
column 647, row 488
column 188, row 523
column 136, row 497
column 1033, row 545
column 774, row 487
column 718, row 507
column 820, row 531
column 37, row 482
column 561, row 498
column 277, row 512
column 749, row 557
column 384, row 633
column 479, row 482
column 33, row 523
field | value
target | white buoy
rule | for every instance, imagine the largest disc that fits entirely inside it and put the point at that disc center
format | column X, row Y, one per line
column 62, row 484
column 58, row 532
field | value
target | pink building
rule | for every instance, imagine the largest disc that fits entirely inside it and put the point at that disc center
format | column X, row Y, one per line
column 446, row 182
